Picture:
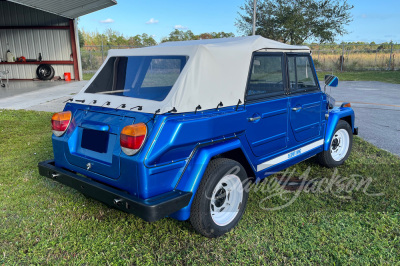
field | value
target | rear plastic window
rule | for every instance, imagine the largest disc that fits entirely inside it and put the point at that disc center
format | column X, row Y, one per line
column 143, row 77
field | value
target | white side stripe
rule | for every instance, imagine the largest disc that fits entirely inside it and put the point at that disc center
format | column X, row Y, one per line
column 289, row 155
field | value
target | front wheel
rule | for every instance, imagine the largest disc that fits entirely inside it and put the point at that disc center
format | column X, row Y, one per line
column 221, row 199
column 340, row 146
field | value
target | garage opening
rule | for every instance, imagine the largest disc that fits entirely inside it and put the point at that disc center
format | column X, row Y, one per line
column 39, row 40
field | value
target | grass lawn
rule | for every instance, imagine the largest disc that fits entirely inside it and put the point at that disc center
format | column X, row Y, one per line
column 87, row 76
column 44, row 222
column 384, row 76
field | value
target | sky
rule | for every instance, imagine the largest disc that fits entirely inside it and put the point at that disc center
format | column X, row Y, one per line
column 374, row 20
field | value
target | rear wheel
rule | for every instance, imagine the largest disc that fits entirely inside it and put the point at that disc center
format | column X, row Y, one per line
column 221, row 199
column 340, row 146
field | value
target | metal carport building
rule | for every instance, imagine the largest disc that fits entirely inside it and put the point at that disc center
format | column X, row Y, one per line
column 48, row 27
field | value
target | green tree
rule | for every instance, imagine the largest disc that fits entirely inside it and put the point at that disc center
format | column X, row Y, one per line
column 115, row 38
column 205, row 36
column 222, row 34
column 148, row 40
column 135, row 41
column 81, row 39
column 295, row 21
column 179, row 35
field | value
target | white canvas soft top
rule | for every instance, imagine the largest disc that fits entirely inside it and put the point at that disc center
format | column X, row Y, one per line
column 216, row 71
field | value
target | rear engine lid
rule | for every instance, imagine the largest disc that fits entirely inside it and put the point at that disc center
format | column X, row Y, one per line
column 94, row 144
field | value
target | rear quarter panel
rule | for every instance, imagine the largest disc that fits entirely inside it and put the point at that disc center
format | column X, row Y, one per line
column 176, row 140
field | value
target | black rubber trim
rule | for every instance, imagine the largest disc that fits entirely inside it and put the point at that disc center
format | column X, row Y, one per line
column 355, row 131
column 198, row 146
column 150, row 210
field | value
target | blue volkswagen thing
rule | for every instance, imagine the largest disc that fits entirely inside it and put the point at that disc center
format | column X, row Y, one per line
column 176, row 130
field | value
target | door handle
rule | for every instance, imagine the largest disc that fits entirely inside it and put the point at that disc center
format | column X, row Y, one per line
column 296, row 108
column 253, row 119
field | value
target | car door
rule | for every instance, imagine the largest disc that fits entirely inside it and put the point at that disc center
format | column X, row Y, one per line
column 305, row 98
column 267, row 104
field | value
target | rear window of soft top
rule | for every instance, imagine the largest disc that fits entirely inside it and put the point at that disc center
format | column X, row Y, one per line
column 143, row 77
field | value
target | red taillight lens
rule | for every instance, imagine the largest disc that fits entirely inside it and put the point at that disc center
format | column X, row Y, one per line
column 132, row 138
column 60, row 122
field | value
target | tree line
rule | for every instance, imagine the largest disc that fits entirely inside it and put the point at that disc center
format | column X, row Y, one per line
column 112, row 37
column 354, row 46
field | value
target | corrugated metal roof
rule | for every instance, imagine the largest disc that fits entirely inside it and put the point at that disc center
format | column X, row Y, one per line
column 12, row 14
column 69, row 9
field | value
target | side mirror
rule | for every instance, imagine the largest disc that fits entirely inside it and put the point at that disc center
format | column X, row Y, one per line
column 331, row 81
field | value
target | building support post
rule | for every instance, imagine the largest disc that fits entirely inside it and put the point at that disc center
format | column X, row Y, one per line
column 74, row 49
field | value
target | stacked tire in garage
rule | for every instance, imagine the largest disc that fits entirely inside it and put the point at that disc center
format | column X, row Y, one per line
column 45, row 72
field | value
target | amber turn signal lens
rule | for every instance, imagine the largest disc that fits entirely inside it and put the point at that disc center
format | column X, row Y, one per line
column 60, row 122
column 346, row 105
column 132, row 138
